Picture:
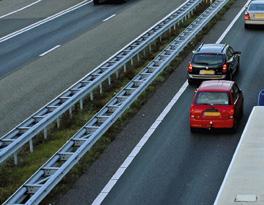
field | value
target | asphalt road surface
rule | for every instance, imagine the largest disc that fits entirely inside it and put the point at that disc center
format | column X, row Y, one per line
column 28, row 81
column 176, row 166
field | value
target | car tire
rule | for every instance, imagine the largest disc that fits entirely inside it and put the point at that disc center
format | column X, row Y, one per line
column 193, row 130
column 229, row 76
column 96, row 2
column 190, row 81
column 246, row 26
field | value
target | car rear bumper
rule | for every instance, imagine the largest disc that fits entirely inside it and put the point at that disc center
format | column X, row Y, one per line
column 195, row 123
column 254, row 22
column 207, row 77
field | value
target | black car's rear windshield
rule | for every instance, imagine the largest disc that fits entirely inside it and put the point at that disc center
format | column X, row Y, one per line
column 207, row 59
column 212, row 98
column 256, row 7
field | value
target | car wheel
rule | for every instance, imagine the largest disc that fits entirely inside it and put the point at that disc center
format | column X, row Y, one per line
column 229, row 76
column 190, row 81
column 193, row 130
column 96, row 2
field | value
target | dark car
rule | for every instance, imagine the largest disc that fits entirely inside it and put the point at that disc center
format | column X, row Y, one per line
column 216, row 104
column 213, row 62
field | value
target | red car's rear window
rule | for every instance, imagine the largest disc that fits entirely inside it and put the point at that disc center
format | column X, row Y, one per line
column 212, row 98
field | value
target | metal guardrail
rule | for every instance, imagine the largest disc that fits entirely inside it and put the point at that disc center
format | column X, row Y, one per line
column 50, row 174
column 11, row 142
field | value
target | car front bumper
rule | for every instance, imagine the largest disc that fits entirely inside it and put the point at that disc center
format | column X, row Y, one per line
column 207, row 124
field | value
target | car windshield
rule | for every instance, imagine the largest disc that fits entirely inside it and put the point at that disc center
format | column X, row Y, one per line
column 207, row 59
column 256, row 7
column 212, row 98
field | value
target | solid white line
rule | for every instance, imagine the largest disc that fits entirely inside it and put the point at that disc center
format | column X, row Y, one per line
column 50, row 18
column 48, row 51
column 109, row 17
column 21, row 9
column 99, row 199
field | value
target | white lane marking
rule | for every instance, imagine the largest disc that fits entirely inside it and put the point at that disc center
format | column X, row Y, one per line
column 109, row 17
column 99, row 199
column 48, row 51
column 21, row 9
column 232, row 23
column 108, row 187
column 50, row 18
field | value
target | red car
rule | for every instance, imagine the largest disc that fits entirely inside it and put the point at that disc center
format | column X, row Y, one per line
column 216, row 104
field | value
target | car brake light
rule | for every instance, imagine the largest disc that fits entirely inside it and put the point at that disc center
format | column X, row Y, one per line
column 190, row 68
column 224, row 68
column 246, row 16
column 231, row 113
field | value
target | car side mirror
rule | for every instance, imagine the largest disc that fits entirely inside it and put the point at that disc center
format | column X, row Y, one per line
column 230, row 60
column 237, row 53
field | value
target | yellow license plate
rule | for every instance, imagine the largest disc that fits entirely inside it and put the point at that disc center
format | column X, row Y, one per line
column 259, row 16
column 207, row 72
column 212, row 114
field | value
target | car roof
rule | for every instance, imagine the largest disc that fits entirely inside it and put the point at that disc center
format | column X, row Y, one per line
column 215, row 85
column 211, row 48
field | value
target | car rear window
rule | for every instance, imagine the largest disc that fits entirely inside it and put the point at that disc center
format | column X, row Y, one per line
column 207, row 59
column 256, row 7
column 212, row 98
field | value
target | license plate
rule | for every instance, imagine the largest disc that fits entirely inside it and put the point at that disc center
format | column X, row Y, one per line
column 259, row 16
column 207, row 72
column 212, row 114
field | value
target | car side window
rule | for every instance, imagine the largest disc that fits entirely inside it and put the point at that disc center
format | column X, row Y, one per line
column 235, row 92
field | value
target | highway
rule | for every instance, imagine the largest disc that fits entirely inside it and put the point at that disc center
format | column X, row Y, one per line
column 35, row 80
column 175, row 166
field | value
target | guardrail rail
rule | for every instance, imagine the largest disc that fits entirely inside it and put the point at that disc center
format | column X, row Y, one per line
column 23, row 133
column 51, row 173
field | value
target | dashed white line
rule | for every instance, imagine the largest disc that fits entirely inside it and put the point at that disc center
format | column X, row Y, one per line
column 21, row 9
column 111, row 183
column 48, row 51
column 109, row 17
column 50, row 18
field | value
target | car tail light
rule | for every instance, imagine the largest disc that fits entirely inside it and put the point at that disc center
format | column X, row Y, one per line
column 225, row 67
column 231, row 113
column 193, row 114
column 190, row 68
column 246, row 16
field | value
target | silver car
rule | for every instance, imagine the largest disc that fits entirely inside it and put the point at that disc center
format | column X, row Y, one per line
column 254, row 14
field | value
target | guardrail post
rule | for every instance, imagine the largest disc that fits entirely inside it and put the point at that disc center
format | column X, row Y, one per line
column 109, row 81
column 91, row 96
column 70, row 112
column 58, row 122
column 138, row 58
column 31, row 145
column 132, row 61
column 150, row 48
column 125, row 68
column 81, row 104
column 100, row 88
column 45, row 133
column 15, row 159
column 117, row 75
column 144, row 52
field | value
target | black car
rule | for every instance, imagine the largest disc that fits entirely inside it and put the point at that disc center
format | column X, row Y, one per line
column 213, row 62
